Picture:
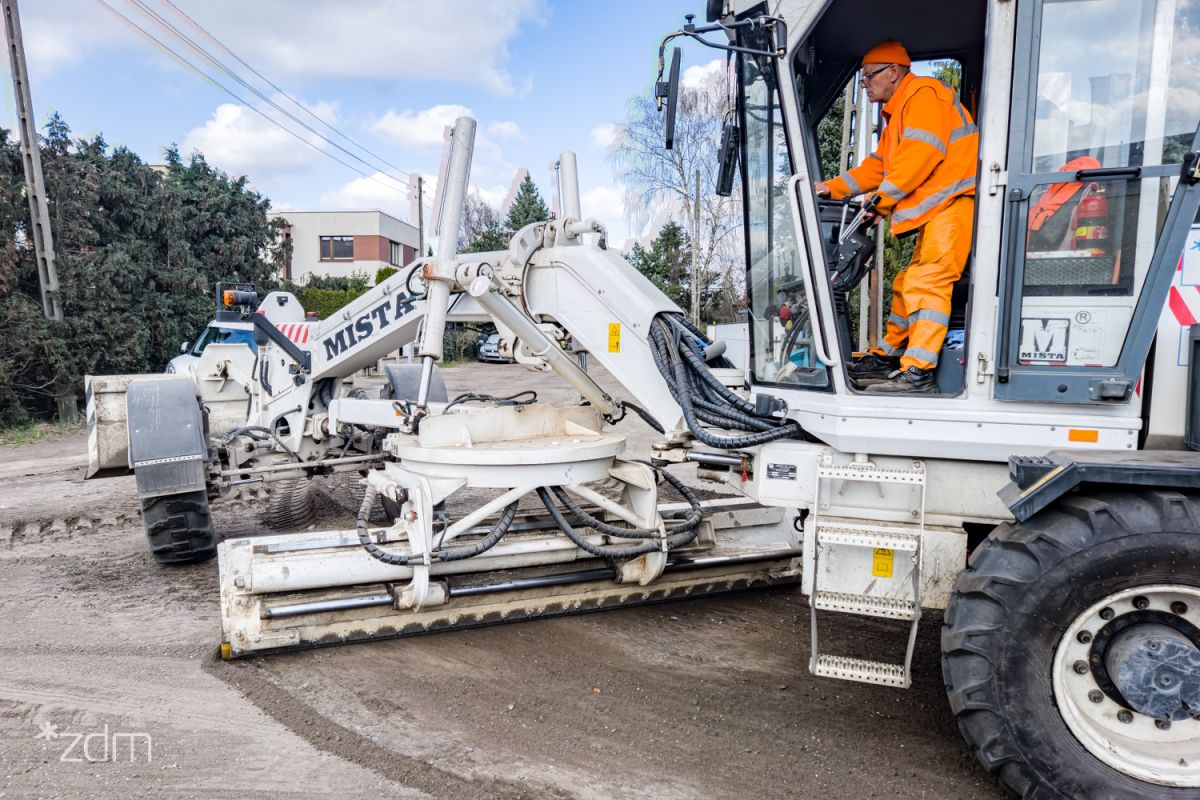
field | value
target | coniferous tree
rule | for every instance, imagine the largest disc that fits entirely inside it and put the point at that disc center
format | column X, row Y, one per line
column 527, row 207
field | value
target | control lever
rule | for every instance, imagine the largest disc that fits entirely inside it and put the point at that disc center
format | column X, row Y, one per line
column 859, row 218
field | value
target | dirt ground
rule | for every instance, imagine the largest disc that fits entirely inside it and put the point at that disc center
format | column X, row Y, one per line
column 702, row 698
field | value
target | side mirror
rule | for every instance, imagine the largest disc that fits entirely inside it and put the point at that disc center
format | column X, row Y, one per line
column 183, row 347
column 731, row 138
column 669, row 90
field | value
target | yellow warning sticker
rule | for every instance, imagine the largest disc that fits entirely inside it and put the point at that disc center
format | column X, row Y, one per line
column 614, row 337
column 881, row 563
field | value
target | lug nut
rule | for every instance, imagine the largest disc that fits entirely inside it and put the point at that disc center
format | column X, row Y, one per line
column 1084, row 636
column 1081, row 667
column 1095, row 695
column 1107, row 613
column 1141, row 603
column 1162, row 724
column 1179, row 607
column 1125, row 716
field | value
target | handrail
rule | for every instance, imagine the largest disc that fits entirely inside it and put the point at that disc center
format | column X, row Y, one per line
column 809, row 276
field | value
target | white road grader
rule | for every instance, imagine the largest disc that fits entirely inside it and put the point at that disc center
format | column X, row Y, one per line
column 1047, row 499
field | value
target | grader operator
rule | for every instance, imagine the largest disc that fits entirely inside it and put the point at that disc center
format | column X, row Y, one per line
column 1059, row 452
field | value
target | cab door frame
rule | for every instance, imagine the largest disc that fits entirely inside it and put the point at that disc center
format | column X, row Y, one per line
column 1093, row 385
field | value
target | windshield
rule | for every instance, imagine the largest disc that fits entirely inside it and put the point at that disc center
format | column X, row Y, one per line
column 780, row 328
column 219, row 335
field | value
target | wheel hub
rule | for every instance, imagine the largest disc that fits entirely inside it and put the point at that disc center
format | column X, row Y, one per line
column 1156, row 668
column 1127, row 682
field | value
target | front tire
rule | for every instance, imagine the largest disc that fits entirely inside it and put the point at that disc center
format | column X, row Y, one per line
column 179, row 528
column 1011, row 677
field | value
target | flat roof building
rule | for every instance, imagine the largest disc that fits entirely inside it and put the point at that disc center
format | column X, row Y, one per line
column 345, row 243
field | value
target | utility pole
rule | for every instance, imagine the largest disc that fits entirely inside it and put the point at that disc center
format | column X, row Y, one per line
column 416, row 209
column 696, row 283
column 420, row 217
column 31, row 158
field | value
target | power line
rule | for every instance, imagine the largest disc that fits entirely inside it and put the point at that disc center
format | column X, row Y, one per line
column 204, row 32
column 205, row 76
column 166, row 25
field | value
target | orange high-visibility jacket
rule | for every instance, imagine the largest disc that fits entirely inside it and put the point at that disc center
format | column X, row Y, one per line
column 927, row 155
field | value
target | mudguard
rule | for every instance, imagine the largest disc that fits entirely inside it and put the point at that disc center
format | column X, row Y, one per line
column 167, row 442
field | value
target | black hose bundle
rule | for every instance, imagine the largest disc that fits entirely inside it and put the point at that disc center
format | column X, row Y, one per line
column 675, row 345
column 441, row 554
column 676, row 535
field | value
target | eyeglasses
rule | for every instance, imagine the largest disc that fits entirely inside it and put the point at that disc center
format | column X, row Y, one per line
column 868, row 76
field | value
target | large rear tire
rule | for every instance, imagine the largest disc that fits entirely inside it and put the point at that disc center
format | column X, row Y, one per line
column 179, row 528
column 1026, row 702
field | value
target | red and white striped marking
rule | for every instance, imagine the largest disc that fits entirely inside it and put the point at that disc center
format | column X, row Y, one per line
column 296, row 331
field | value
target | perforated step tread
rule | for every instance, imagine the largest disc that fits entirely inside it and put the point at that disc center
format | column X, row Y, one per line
column 861, row 670
column 872, row 474
column 865, row 605
column 875, row 536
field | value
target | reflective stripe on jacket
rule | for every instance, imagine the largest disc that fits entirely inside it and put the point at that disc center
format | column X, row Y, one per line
column 927, row 155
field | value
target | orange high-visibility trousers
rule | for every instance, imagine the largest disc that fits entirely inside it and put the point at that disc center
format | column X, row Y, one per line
column 921, row 291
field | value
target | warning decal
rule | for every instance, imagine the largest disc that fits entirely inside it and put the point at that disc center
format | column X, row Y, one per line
column 881, row 562
column 614, row 337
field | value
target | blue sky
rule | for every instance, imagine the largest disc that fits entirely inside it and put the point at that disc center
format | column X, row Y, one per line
column 539, row 77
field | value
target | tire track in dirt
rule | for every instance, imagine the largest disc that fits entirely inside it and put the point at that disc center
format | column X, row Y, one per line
column 328, row 736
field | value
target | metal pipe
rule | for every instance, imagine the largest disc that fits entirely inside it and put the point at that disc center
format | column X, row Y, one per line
column 324, row 606
column 518, row 584
column 568, row 179
column 298, row 465
column 438, row 275
column 537, row 582
column 503, row 310
column 714, row 459
column 467, row 524
column 426, row 381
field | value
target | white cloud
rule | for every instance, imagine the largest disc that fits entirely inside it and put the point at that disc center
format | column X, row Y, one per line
column 494, row 196
column 505, row 130
column 703, row 75
column 241, row 142
column 423, row 129
column 607, row 204
column 605, row 135
column 460, row 41
column 373, row 192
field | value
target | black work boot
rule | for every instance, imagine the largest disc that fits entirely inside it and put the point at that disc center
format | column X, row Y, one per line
column 872, row 369
column 913, row 380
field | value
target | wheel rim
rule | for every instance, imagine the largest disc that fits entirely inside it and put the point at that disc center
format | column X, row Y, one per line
column 1111, row 726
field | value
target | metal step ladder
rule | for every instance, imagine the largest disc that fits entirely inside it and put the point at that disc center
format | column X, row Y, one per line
column 892, row 538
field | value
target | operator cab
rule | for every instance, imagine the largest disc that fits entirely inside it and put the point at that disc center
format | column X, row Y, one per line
column 1082, row 134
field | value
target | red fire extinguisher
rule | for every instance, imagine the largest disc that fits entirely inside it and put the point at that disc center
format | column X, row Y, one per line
column 1091, row 222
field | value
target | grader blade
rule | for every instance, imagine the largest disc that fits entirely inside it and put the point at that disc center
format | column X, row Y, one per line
column 320, row 588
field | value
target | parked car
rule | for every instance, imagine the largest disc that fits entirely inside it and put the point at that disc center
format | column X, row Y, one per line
column 489, row 350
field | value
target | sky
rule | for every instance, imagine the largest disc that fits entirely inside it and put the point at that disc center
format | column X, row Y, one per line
column 539, row 77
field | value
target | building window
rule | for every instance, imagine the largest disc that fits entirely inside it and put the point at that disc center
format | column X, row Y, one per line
column 337, row 248
column 396, row 255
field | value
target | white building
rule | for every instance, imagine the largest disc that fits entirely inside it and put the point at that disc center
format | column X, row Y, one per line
column 345, row 243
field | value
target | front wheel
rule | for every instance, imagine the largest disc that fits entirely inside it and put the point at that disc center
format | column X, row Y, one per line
column 179, row 528
column 1071, row 649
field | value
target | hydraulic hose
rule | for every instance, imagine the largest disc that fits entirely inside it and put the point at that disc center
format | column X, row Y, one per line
column 249, row 430
column 692, row 517
column 678, row 370
column 645, row 415
column 607, row 550
column 446, row 554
